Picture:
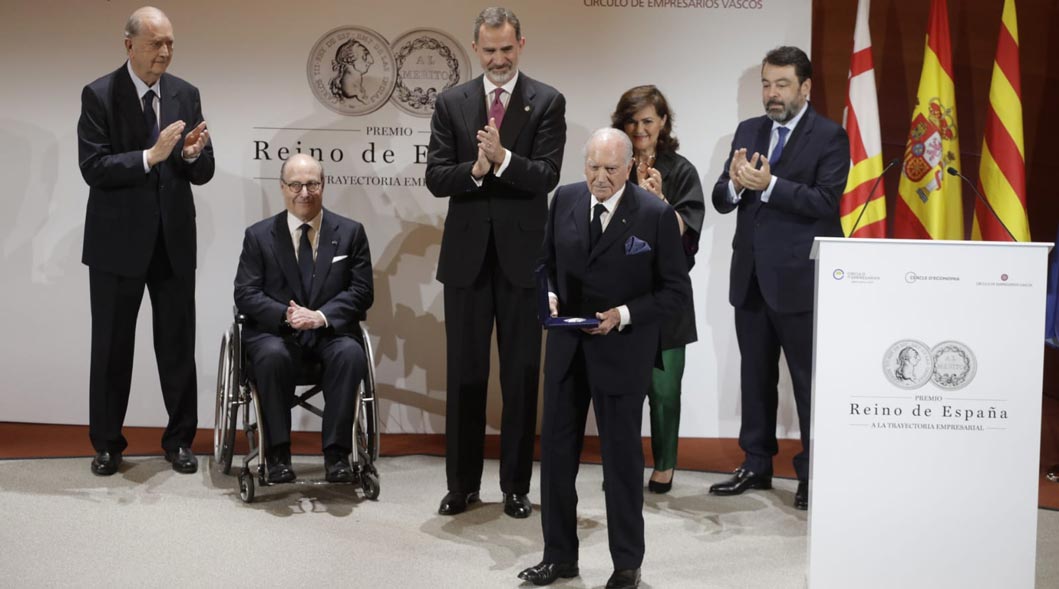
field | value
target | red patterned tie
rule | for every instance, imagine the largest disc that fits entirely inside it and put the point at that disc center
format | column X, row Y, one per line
column 496, row 110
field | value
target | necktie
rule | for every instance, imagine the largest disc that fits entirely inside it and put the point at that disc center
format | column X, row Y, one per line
column 496, row 109
column 305, row 262
column 595, row 230
column 778, row 151
column 149, row 117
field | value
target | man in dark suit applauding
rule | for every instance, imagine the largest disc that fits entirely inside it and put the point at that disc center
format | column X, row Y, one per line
column 304, row 282
column 496, row 146
column 612, row 251
column 785, row 175
column 142, row 143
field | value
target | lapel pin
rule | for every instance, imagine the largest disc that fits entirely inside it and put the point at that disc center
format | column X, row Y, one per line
column 527, row 108
column 334, row 242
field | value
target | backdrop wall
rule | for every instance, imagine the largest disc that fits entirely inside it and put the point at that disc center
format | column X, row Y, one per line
column 256, row 68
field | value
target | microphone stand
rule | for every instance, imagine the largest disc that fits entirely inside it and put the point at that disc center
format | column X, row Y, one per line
column 871, row 193
column 954, row 172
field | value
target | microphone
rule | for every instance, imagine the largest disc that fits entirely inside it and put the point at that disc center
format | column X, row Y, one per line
column 954, row 172
column 871, row 193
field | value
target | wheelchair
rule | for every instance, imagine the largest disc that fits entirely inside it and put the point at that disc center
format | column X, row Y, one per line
column 236, row 392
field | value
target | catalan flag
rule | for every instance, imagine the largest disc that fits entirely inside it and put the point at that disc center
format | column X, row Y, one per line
column 929, row 204
column 861, row 120
column 1002, row 175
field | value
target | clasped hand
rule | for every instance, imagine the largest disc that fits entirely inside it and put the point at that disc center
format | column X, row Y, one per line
column 490, row 152
column 745, row 172
column 302, row 318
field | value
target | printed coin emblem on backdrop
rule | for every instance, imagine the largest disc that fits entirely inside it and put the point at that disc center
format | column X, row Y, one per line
column 954, row 365
column 908, row 364
column 428, row 62
column 351, row 70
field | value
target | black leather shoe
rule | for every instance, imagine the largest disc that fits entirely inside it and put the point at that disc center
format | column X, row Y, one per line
column 279, row 469
column 546, row 573
column 338, row 469
column 517, row 505
column 624, row 579
column 183, row 460
column 454, row 502
column 742, row 480
column 106, row 463
column 280, row 472
column 801, row 496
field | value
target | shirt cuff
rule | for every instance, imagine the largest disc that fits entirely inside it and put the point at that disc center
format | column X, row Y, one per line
column 503, row 166
column 146, row 166
column 768, row 191
column 191, row 160
column 477, row 181
column 623, row 312
column 733, row 196
column 324, row 317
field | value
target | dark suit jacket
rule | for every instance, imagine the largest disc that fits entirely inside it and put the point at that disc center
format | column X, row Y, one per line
column 125, row 204
column 773, row 239
column 268, row 277
column 654, row 284
column 513, row 206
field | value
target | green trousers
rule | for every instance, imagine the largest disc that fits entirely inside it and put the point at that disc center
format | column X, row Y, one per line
column 664, row 397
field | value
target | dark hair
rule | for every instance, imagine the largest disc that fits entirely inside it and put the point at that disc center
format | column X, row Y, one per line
column 787, row 55
column 497, row 16
column 639, row 97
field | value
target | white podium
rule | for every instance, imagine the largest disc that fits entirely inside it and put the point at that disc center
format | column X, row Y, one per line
column 926, row 413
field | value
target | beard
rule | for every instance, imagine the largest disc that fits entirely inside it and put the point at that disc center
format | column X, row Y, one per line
column 786, row 113
column 499, row 77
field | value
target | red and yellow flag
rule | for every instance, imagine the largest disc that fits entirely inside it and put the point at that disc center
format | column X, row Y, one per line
column 930, row 205
column 1002, row 175
column 861, row 120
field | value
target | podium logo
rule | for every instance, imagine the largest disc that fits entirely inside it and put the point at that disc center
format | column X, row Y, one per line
column 909, row 364
column 912, row 277
column 839, row 274
column 354, row 70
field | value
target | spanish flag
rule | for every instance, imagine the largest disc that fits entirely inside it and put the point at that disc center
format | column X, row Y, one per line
column 1002, row 175
column 861, row 120
column 930, row 205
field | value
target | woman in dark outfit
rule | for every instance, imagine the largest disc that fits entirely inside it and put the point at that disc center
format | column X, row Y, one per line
column 644, row 115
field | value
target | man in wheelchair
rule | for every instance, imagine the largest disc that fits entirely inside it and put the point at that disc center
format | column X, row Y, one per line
column 304, row 283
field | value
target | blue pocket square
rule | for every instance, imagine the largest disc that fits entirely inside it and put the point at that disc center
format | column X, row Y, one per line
column 635, row 245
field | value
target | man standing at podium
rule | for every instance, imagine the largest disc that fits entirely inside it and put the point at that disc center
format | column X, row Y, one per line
column 785, row 175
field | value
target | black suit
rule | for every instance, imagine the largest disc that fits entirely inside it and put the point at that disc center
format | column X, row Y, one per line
column 139, row 230
column 342, row 289
column 488, row 252
column 614, row 370
column 772, row 278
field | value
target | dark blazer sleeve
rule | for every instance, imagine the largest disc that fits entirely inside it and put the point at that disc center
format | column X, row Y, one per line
column 199, row 171
column 446, row 175
column 720, row 189
column 251, row 297
column 102, row 165
column 538, row 171
column 350, row 305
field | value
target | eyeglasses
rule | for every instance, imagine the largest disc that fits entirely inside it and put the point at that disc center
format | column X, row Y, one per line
column 296, row 187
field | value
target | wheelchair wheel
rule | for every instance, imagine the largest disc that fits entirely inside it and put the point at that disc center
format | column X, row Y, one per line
column 226, row 412
column 369, row 481
column 369, row 418
column 246, row 485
